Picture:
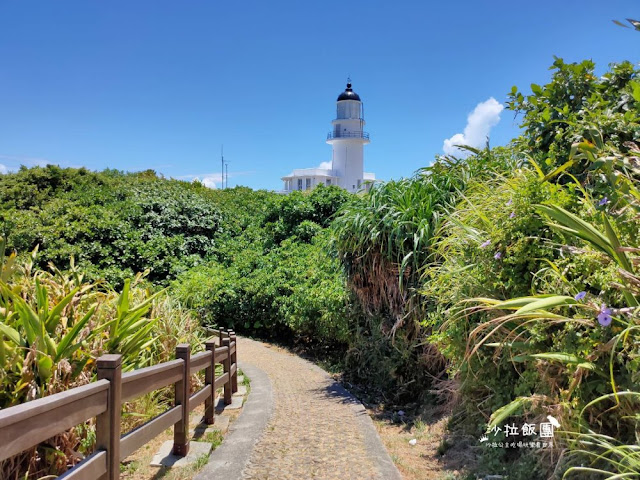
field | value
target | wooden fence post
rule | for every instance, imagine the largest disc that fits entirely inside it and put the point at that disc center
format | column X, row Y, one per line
column 234, row 359
column 108, row 423
column 210, row 380
column 221, row 333
column 226, row 363
column 181, row 428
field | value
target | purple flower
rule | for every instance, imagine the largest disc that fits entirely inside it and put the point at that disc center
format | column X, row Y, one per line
column 604, row 201
column 498, row 256
column 486, row 244
column 513, row 215
column 604, row 317
column 580, row 296
column 509, row 202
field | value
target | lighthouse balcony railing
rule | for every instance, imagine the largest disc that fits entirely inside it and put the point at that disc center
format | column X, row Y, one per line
column 334, row 135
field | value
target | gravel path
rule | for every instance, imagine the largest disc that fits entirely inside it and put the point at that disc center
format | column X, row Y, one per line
column 317, row 430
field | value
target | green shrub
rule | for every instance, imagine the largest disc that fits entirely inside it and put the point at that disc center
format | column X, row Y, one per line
column 289, row 212
column 115, row 225
column 563, row 112
column 294, row 288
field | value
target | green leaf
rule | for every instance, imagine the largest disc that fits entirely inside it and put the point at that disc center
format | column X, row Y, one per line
column 635, row 23
column 44, row 367
column 620, row 24
column 513, row 303
column 123, row 304
column 610, row 396
column 61, row 351
column 519, row 345
column 54, row 315
column 559, row 357
column 3, row 353
column 620, row 256
column 11, row 333
column 545, row 303
column 537, row 167
column 31, row 322
column 596, row 137
column 558, row 170
column 635, row 90
column 500, row 415
column 577, row 227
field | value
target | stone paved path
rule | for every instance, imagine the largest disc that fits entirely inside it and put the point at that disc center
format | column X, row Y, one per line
column 318, row 430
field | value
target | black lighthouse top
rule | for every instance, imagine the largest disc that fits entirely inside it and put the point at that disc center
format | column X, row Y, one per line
column 349, row 94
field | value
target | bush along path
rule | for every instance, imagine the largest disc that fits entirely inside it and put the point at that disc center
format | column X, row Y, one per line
column 316, row 429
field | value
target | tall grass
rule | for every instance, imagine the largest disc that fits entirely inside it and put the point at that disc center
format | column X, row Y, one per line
column 53, row 326
column 584, row 344
column 385, row 238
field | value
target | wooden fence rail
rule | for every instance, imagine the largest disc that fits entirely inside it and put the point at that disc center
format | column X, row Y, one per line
column 26, row 425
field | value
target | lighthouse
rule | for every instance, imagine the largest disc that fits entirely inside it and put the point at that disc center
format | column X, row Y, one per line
column 347, row 139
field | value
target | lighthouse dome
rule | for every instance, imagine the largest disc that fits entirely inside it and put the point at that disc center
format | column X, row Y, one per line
column 348, row 94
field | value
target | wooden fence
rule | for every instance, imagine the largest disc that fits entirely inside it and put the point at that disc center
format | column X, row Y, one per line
column 26, row 425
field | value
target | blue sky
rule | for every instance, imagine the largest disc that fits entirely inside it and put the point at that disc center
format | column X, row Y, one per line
column 162, row 84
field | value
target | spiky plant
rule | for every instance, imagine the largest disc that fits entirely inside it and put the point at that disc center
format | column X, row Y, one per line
column 53, row 325
column 584, row 344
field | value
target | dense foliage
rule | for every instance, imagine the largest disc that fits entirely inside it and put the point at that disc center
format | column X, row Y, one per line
column 53, row 326
column 573, row 107
column 113, row 224
column 278, row 276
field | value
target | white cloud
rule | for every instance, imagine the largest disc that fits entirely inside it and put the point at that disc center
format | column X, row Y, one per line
column 198, row 176
column 209, row 182
column 3, row 169
column 325, row 165
column 485, row 116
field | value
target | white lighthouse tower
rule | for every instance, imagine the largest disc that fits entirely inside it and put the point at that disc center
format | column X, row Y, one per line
column 347, row 139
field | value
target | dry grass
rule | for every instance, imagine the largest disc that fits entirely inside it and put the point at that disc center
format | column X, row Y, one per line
column 433, row 457
column 137, row 465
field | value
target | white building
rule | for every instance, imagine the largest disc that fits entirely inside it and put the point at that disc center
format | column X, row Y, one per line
column 347, row 140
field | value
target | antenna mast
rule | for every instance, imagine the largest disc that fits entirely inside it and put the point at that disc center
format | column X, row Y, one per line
column 222, row 165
